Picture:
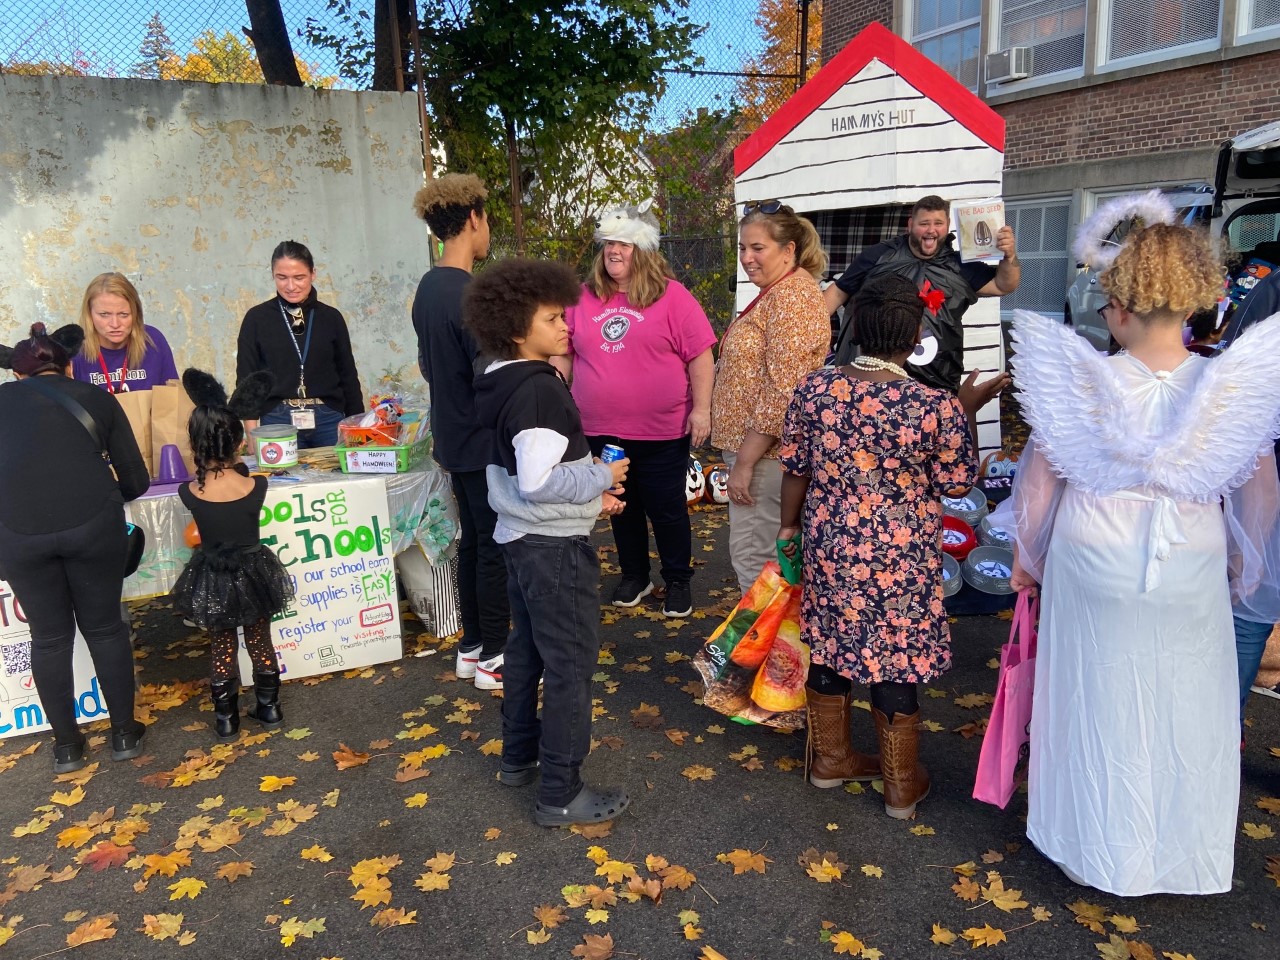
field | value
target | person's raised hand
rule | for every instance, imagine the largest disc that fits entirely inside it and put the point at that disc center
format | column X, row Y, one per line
column 973, row 396
column 1005, row 241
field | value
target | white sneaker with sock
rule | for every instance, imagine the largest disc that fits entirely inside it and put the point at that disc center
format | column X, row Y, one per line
column 488, row 673
column 464, row 667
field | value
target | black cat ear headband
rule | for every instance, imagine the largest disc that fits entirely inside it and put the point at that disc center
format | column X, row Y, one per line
column 246, row 401
column 69, row 338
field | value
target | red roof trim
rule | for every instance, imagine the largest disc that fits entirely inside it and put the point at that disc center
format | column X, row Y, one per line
column 874, row 43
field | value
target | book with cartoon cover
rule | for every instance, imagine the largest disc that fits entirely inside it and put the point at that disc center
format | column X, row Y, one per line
column 977, row 222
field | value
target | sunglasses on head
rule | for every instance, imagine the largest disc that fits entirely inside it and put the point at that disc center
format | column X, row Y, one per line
column 764, row 206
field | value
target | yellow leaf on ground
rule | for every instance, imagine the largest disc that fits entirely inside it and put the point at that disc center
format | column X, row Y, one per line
column 1002, row 899
column 1041, row 914
column 316, row 853
column 597, row 916
column 441, row 862
column 966, row 869
column 161, row 926
column 550, row 916
column 744, row 860
column 677, row 877
column 393, row 918
column 1123, row 924
column 432, row 881
column 691, row 932
column 538, row 936
column 99, row 928
column 233, row 871
column 1116, row 948
column 920, row 830
column 872, row 871
column 709, row 954
column 846, row 942
column 984, row 936
column 493, row 833
column 1089, row 915
column 76, row 836
column 188, row 887
column 491, row 748
column 417, row 800
column 698, row 771
column 943, row 937
column 505, row 859
column 68, row 799
column 1258, row 831
column 346, row 758
column 824, row 871
column 373, row 894
column 165, row 865
column 272, row 784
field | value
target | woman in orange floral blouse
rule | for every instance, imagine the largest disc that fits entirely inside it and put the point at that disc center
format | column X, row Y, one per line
column 868, row 452
column 783, row 335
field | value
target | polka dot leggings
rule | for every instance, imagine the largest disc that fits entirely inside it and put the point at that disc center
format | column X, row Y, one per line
column 257, row 639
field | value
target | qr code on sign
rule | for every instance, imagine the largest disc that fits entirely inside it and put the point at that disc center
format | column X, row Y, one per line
column 16, row 657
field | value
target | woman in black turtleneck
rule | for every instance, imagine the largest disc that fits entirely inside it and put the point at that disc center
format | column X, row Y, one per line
column 306, row 346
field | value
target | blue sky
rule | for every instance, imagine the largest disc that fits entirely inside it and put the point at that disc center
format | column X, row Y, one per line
column 108, row 33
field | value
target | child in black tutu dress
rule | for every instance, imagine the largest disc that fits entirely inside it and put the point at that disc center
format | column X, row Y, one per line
column 231, row 580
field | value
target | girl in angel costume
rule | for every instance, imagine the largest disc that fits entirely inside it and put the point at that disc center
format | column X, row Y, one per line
column 1146, row 501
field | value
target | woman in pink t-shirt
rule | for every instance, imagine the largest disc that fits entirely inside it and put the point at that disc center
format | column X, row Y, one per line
column 641, row 369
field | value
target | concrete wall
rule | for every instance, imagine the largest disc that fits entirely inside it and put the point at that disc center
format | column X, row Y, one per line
column 187, row 187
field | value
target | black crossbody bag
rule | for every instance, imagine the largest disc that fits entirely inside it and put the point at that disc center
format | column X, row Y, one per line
column 137, row 540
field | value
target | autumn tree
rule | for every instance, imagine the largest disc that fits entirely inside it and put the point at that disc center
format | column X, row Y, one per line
column 772, row 73
column 227, row 59
column 156, row 50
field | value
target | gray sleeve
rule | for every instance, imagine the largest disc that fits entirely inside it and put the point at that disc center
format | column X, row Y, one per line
column 573, row 483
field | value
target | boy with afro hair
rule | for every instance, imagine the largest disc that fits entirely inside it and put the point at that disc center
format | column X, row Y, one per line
column 547, row 492
column 453, row 207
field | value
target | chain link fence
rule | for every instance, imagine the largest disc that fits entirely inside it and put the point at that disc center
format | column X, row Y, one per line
column 748, row 52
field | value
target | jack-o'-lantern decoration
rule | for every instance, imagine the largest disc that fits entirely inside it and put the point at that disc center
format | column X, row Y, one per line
column 717, row 483
column 694, row 482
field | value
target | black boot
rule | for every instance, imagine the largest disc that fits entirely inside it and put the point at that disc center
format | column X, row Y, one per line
column 266, row 692
column 226, row 708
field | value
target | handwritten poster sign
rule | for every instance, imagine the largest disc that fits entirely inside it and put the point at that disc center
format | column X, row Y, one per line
column 20, row 709
column 335, row 539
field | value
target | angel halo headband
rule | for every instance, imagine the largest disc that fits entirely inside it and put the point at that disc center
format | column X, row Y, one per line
column 1091, row 246
column 628, row 223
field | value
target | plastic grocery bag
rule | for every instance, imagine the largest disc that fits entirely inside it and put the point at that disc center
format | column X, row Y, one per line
column 1005, row 746
column 754, row 665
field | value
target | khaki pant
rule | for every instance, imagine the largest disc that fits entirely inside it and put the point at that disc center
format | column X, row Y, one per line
column 753, row 530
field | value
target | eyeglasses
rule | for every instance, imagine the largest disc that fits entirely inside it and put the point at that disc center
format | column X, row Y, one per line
column 764, row 206
column 1102, row 310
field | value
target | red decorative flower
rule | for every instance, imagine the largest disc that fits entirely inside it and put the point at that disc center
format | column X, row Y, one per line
column 932, row 297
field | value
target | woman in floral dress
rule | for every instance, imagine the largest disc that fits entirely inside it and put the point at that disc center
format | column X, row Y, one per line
column 868, row 452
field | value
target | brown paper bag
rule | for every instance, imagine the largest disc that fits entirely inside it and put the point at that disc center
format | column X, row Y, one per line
column 137, row 407
column 170, row 410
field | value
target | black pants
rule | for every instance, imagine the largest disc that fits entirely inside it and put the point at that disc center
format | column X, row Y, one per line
column 66, row 579
column 655, row 488
column 482, row 573
column 224, row 650
column 555, row 608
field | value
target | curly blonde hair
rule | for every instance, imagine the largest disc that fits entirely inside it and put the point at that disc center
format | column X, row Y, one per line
column 1165, row 269
column 446, row 203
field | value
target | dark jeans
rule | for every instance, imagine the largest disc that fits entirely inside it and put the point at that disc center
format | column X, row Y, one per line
column 325, row 433
column 555, row 609
column 482, row 573
column 1251, row 643
column 69, row 578
column 654, row 489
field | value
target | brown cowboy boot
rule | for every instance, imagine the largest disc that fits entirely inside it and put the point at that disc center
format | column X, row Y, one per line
column 830, row 760
column 906, row 782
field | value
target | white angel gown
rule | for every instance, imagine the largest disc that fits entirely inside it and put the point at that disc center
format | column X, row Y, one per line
column 1119, row 503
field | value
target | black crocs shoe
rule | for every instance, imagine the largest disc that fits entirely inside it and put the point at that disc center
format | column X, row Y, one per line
column 589, row 806
column 518, row 774
column 127, row 744
column 69, row 757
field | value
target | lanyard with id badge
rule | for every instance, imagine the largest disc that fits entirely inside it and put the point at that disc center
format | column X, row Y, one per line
column 302, row 418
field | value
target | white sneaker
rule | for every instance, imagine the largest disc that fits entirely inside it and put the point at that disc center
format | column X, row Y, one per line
column 488, row 673
column 1267, row 691
column 464, row 668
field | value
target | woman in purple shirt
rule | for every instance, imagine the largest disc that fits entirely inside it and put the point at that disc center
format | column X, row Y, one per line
column 120, row 353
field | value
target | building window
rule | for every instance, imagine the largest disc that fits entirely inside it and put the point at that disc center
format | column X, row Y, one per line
column 1148, row 26
column 1260, row 15
column 1054, row 29
column 948, row 32
column 1040, row 227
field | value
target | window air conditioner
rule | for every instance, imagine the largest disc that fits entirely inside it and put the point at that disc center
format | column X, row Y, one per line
column 1011, row 64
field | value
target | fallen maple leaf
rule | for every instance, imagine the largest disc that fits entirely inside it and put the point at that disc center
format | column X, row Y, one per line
column 161, row 926
column 274, row 784
column 594, row 948
column 417, row 800
column 505, row 859
column 1116, row 948
column 1258, row 831
column 538, row 936
column 824, row 871
column 188, row 887
column 1002, row 899
column 966, row 869
column 99, row 928
column 971, row 700
column 346, row 758
column 233, row 871
column 1089, row 915
column 943, row 937
column 393, row 918
column 493, row 833
column 597, row 916
column 709, row 954
column 550, row 916
column 1123, row 924
column 432, row 881
column 492, row 748
column 165, row 865
column 743, row 861
column 69, row 799
column 692, row 932
column 677, row 878
column 316, row 853
column 646, row 717
column 104, row 854
column 846, row 942
column 920, row 830
column 984, row 936
column 1041, row 914
column 967, row 890
column 698, row 772
column 593, row 831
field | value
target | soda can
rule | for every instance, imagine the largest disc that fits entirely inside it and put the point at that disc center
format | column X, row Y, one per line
column 612, row 452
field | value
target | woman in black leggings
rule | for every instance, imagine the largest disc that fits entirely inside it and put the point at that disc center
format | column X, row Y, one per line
column 62, row 533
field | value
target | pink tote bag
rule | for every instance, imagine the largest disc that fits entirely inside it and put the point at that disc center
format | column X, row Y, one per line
column 1003, row 760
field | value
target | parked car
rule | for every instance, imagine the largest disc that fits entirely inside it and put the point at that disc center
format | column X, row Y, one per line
column 1194, row 203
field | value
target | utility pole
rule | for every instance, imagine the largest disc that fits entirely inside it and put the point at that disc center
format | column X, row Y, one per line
column 803, row 54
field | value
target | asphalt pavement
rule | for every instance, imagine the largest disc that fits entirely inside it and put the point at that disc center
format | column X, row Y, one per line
column 326, row 839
